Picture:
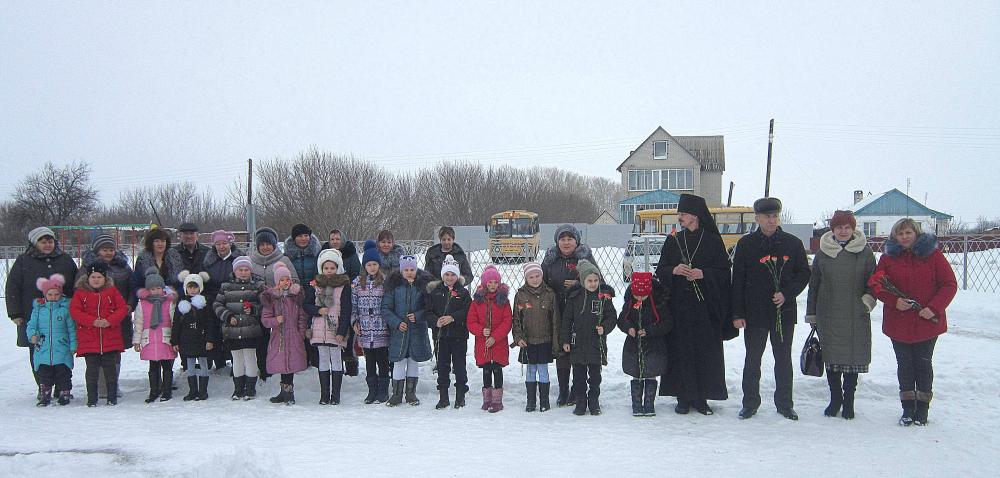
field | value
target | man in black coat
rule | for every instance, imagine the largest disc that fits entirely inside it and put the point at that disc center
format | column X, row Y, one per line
column 765, row 310
column 192, row 252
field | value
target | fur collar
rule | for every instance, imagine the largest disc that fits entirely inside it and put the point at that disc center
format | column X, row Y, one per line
column 293, row 251
column 337, row 280
column 396, row 280
column 582, row 252
column 924, row 246
column 502, row 291
column 293, row 291
column 829, row 245
column 82, row 283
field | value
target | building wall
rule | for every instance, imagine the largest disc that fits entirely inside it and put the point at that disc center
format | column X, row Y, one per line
column 707, row 184
column 883, row 224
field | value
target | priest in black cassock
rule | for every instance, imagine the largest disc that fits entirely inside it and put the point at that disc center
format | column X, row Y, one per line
column 695, row 264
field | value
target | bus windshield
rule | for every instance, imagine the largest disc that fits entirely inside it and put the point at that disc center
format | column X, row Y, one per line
column 517, row 227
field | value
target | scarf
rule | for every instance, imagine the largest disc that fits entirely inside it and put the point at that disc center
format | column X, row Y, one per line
column 157, row 317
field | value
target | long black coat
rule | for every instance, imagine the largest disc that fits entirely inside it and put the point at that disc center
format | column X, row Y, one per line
column 442, row 301
column 556, row 269
column 646, row 357
column 586, row 310
column 21, row 289
column 434, row 259
column 753, row 285
column 191, row 331
column 697, row 366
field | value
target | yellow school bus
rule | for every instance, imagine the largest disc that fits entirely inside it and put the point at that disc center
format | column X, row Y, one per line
column 733, row 222
column 513, row 236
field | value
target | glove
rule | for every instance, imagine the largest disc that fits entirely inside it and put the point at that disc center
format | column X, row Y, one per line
column 184, row 306
column 199, row 301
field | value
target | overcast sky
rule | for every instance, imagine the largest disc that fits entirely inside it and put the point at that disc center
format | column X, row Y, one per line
column 864, row 95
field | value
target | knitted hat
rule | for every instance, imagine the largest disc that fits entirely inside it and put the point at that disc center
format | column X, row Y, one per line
column 407, row 262
column 531, row 268
column 330, row 255
column 585, row 268
column 39, row 232
column 265, row 234
column 567, row 229
column 371, row 253
column 103, row 240
column 153, row 278
column 490, row 273
column 198, row 279
column 99, row 267
column 281, row 271
column 642, row 283
column 187, row 227
column 841, row 218
column 767, row 206
column 450, row 265
column 242, row 261
column 56, row 281
column 221, row 235
column 300, row 229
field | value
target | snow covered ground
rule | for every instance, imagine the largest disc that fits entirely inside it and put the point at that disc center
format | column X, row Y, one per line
column 248, row 439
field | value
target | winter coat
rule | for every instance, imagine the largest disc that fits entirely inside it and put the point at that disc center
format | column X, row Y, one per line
column 402, row 298
column 536, row 318
column 172, row 266
column 56, row 332
column 491, row 311
column 366, row 311
column 286, row 351
column 352, row 262
column 155, row 343
column 453, row 301
column 240, row 300
column 556, row 269
column 193, row 261
column 334, row 293
column 120, row 272
column 194, row 329
column 753, row 285
column 21, row 290
column 89, row 305
column 434, row 259
column 924, row 274
column 263, row 266
column 838, row 301
column 303, row 259
column 390, row 260
column 646, row 357
column 220, row 270
column 585, row 310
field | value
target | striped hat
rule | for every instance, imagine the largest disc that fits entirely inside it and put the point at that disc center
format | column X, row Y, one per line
column 242, row 261
column 531, row 268
column 103, row 240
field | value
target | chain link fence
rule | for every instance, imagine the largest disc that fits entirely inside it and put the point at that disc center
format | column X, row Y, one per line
column 974, row 258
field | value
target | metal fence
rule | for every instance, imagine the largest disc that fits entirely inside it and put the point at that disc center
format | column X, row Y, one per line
column 974, row 258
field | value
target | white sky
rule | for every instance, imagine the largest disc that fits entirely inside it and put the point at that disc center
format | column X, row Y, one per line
column 864, row 95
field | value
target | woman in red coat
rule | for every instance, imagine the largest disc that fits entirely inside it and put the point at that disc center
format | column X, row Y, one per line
column 98, row 309
column 913, row 264
column 490, row 320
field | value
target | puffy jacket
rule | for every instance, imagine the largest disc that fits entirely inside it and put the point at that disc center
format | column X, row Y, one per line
column 56, row 332
column 491, row 311
column 536, row 317
column 585, row 310
column 120, row 272
column 89, row 305
column 240, row 299
column 366, row 311
column 402, row 298
column 333, row 293
column 286, row 350
column 194, row 327
column 454, row 301
column 21, row 291
column 155, row 343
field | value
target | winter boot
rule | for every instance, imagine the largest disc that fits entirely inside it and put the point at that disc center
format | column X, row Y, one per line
column 701, row 406
column 154, row 386
column 684, row 407
column 167, row 384
column 397, row 393
column 460, row 392
column 324, row 387
column 836, row 393
column 44, row 395
column 496, row 404
column 908, row 399
column 850, row 385
column 637, row 395
column 251, row 390
column 543, row 397
column 192, row 389
column 382, row 396
column 203, row 388
column 487, row 398
column 563, row 375
column 64, row 397
column 532, row 388
column 443, row 401
column 239, row 387
column 921, row 408
column 581, row 404
column 336, row 381
column 282, row 395
column 290, row 395
column 649, row 397
column 411, row 391
column 594, row 399
column 372, row 382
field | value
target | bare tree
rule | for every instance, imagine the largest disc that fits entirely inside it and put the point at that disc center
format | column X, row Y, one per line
column 57, row 196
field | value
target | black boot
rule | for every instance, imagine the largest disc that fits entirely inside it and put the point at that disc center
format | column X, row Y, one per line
column 372, row 382
column 382, row 395
column 203, row 388
column 921, row 408
column 239, row 387
column 543, row 397
column 324, row 387
column 594, row 399
column 581, row 404
column 649, row 397
column 290, row 394
column 44, row 395
column 563, row 375
column 701, row 406
column 684, row 407
column 836, row 393
column 154, row 386
column 443, row 401
column 532, row 388
column 850, row 385
column 637, row 396
column 397, row 393
column 167, row 384
column 460, row 391
column 251, row 390
column 192, row 388
column 908, row 399
column 336, row 381
column 64, row 397
column 411, row 391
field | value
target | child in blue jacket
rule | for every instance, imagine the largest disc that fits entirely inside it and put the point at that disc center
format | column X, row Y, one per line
column 53, row 334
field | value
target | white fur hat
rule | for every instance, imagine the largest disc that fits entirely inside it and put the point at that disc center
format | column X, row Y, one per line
column 330, row 255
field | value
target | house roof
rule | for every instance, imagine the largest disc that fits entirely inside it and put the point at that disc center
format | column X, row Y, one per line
column 653, row 197
column 606, row 214
column 710, row 151
column 894, row 203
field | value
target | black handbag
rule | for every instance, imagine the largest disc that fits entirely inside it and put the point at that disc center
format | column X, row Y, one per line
column 811, row 360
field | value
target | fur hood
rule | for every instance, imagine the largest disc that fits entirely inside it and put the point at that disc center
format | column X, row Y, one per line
column 552, row 253
column 81, row 283
column 434, row 284
column 336, row 281
column 924, row 246
column 90, row 257
column 293, row 251
column 396, row 280
column 502, row 292
column 829, row 245
column 293, row 291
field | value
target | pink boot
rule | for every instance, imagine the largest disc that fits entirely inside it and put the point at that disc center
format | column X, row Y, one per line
column 497, row 404
column 487, row 396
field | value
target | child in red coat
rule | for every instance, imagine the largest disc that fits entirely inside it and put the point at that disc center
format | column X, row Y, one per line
column 490, row 321
column 98, row 310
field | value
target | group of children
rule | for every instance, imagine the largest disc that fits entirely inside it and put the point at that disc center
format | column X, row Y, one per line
column 393, row 320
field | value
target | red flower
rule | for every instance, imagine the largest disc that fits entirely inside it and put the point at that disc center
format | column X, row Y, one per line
column 247, row 305
column 765, row 259
column 454, row 293
column 637, row 305
column 571, row 266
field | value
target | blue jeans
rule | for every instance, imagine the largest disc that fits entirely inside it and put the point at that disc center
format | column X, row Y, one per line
column 541, row 370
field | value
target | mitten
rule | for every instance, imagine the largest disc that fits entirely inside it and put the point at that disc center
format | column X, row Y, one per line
column 199, row 301
column 184, row 306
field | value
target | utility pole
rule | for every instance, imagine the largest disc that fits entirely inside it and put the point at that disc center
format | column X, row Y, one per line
column 251, row 212
column 770, row 143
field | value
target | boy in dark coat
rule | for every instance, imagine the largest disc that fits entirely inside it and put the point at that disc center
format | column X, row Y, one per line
column 589, row 317
column 447, row 306
column 645, row 318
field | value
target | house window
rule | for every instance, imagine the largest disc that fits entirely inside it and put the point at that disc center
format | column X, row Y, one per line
column 640, row 180
column 869, row 229
column 659, row 150
column 677, row 179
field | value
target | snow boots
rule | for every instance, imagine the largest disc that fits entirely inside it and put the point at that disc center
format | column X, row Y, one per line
column 239, row 388
column 324, row 387
column 192, row 389
column 565, row 395
column 411, row 391
column 44, row 395
column 836, row 394
column 496, row 402
column 581, row 404
column 167, row 384
column 382, row 394
column 593, row 399
column 850, row 385
column 372, row 382
column 487, row 398
column 251, row 390
column 637, row 396
column 908, row 399
column 460, row 391
column 336, row 382
column 286, row 395
column 63, row 397
column 543, row 397
column 921, row 408
column 203, row 388
column 649, row 397
column 532, row 388
column 397, row 393
column 443, row 400
column 154, row 386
